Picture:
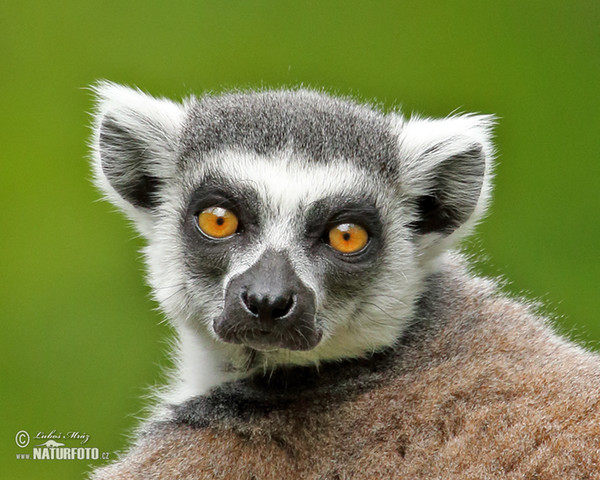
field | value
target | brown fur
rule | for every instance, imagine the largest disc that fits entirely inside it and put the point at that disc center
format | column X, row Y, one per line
column 480, row 388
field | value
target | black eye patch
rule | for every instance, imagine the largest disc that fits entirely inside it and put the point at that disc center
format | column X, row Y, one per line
column 208, row 257
column 328, row 213
column 218, row 192
column 325, row 214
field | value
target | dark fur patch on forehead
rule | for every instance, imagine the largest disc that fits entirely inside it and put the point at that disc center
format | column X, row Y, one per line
column 310, row 123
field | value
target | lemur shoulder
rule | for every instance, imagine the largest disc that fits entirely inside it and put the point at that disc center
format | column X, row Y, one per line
column 303, row 247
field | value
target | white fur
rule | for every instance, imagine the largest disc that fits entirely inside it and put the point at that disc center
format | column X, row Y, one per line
column 283, row 185
column 286, row 185
column 456, row 134
column 156, row 122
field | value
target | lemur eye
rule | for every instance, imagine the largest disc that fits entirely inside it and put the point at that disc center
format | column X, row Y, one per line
column 348, row 238
column 217, row 222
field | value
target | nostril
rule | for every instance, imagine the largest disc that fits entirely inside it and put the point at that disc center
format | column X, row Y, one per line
column 250, row 306
column 280, row 312
column 267, row 306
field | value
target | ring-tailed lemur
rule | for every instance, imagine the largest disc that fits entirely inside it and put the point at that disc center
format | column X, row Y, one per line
column 300, row 245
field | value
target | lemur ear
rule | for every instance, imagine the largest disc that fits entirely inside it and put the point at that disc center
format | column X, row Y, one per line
column 134, row 145
column 446, row 170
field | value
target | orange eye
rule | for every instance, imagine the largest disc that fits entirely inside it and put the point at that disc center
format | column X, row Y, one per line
column 348, row 238
column 217, row 222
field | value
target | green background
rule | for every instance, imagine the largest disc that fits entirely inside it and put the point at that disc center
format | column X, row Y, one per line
column 81, row 340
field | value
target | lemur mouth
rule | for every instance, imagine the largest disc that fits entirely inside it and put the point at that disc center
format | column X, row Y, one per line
column 297, row 336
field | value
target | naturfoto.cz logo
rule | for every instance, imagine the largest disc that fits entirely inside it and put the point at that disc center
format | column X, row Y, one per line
column 53, row 447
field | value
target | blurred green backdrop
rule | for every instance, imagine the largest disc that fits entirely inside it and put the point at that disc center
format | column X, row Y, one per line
column 81, row 341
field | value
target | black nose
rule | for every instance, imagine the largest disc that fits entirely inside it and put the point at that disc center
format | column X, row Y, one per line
column 267, row 306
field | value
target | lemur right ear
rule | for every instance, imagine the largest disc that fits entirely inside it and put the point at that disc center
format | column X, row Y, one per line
column 134, row 145
column 446, row 172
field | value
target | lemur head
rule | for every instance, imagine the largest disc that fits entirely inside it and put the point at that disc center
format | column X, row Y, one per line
column 289, row 225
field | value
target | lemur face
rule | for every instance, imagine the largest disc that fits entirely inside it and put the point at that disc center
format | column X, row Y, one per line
column 290, row 251
column 289, row 223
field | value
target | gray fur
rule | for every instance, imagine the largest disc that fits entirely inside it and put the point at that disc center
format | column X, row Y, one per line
column 315, row 125
column 478, row 388
column 258, row 358
column 127, row 164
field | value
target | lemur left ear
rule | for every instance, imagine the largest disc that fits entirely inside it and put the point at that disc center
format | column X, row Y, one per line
column 446, row 169
column 134, row 145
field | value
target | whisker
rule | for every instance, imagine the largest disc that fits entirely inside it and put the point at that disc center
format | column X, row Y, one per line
column 382, row 295
column 180, row 289
column 170, row 286
column 381, row 309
